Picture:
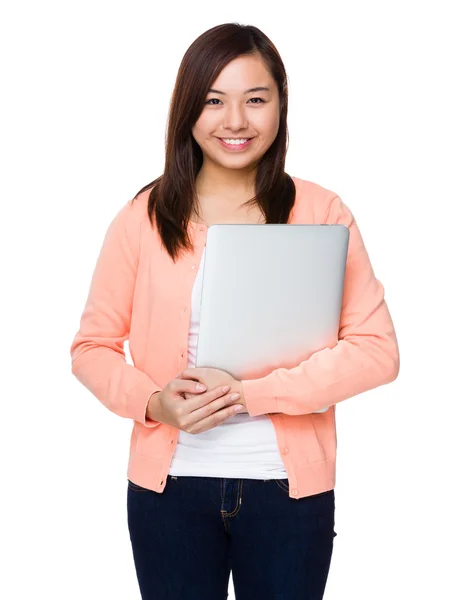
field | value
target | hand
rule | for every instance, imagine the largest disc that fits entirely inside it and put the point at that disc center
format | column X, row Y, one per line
column 213, row 378
column 203, row 411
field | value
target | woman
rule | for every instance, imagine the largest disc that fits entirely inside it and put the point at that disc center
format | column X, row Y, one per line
column 212, row 491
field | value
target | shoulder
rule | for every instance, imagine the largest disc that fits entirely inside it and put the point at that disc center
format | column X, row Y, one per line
column 127, row 222
column 312, row 200
column 133, row 214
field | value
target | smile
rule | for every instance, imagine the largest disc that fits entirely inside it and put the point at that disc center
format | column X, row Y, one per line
column 235, row 146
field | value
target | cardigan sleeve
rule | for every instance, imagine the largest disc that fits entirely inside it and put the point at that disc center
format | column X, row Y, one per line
column 365, row 356
column 97, row 350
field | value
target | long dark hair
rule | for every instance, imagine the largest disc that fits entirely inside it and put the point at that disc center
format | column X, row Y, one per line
column 173, row 194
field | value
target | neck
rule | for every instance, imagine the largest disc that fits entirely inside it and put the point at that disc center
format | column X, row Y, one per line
column 213, row 180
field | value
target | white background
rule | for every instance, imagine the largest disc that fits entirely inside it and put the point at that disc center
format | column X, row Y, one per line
column 86, row 88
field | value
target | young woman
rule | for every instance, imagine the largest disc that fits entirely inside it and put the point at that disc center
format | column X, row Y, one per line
column 211, row 491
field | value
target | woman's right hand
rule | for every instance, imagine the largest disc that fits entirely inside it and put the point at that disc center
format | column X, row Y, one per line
column 193, row 415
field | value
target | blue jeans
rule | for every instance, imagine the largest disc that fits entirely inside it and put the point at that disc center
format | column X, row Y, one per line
column 188, row 539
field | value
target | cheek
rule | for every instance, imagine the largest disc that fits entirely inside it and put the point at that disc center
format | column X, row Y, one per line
column 198, row 131
column 267, row 124
column 272, row 126
column 204, row 127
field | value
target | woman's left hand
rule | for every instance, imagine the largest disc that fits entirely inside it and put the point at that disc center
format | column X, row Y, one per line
column 213, row 378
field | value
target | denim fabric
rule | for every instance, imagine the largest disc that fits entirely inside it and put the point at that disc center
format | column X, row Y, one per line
column 188, row 539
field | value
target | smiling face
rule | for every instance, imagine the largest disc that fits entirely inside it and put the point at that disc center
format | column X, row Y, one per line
column 234, row 110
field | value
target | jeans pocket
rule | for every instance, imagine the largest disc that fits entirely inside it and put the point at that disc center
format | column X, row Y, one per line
column 283, row 484
column 136, row 488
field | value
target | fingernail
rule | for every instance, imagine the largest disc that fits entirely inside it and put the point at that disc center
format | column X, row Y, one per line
column 225, row 388
column 237, row 408
column 199, row 386
column 235, row 396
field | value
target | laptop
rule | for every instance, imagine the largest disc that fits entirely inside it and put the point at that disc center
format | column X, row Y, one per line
column 271, row 295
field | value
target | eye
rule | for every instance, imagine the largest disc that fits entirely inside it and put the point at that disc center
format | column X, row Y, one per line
column 217, row 100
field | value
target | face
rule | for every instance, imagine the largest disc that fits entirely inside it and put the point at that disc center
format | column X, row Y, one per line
column 233, row 112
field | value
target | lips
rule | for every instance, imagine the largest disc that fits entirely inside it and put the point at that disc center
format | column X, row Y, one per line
column 235, row 147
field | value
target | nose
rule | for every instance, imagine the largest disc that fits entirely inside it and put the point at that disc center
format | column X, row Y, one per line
column 235, row 118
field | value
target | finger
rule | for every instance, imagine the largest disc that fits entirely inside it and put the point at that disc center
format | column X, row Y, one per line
column 183, row 375
column 215, row 418
column 193, row 373
column 188, row 385
column 217, row 398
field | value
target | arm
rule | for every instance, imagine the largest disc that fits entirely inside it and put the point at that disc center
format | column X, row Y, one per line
column 365, row 356
column 98, row 358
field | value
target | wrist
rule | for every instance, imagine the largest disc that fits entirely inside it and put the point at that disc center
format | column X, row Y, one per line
column 153, row 406
column 239, row 389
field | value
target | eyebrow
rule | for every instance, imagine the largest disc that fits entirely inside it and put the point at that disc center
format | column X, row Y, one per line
column 255, row 89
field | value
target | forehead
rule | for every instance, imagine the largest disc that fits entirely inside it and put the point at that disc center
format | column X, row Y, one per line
column 242, row 73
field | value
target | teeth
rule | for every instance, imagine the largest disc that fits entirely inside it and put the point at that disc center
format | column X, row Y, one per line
column 234, row 142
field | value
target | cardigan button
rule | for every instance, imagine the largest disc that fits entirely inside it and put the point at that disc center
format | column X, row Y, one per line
column 294, row 491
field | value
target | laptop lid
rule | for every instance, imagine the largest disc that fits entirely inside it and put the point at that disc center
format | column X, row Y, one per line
column 271, row 295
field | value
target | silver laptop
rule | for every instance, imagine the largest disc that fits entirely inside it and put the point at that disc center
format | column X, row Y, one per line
column 271, row 295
